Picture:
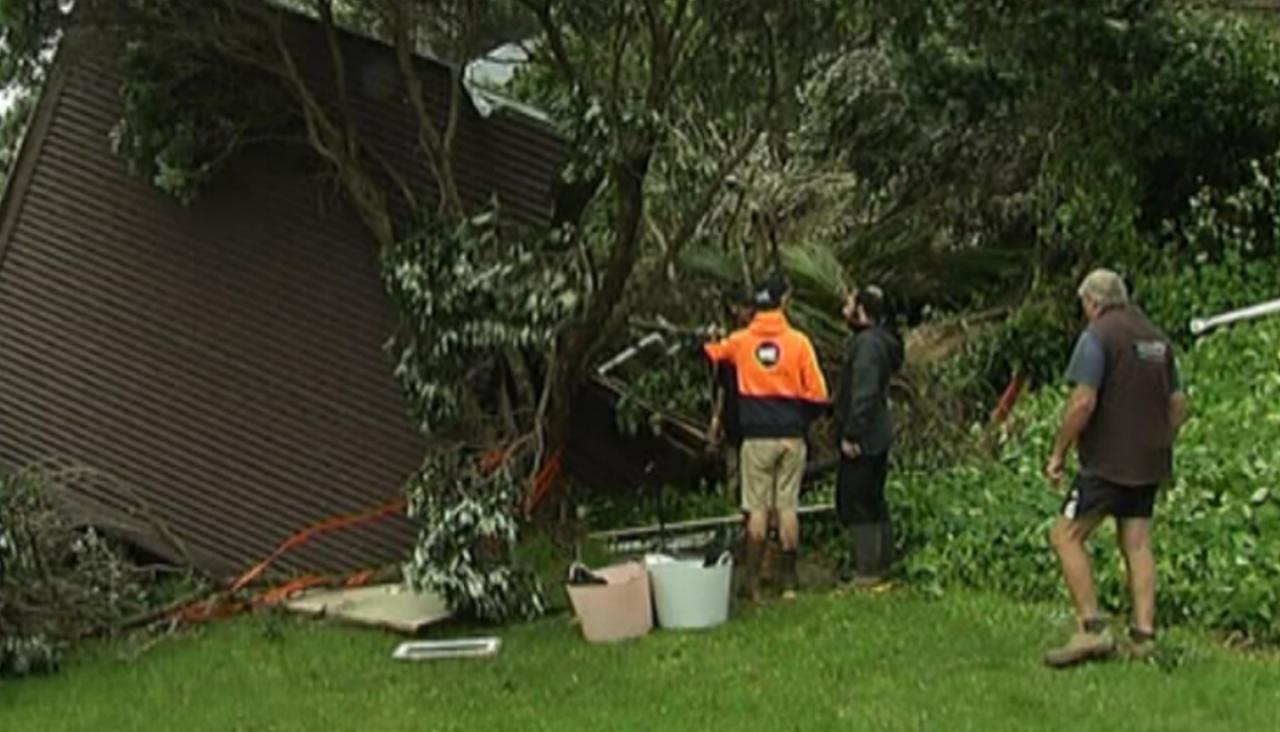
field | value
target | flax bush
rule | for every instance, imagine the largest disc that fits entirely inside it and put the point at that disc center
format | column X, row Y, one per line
column 984, row 524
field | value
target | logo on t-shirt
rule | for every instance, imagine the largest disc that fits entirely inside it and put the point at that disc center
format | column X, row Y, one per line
column 768, row 354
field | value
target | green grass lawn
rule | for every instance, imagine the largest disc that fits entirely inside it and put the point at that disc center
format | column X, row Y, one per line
column 865, row 662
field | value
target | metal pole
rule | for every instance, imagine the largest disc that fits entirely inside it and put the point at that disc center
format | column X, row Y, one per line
column 629, row 353
column 1200, row 325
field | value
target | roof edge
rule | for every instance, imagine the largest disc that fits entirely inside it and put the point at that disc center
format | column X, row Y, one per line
column 512, row 108
column 14, row 189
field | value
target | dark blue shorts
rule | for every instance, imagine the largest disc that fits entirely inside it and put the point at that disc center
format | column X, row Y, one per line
column 1091, row 495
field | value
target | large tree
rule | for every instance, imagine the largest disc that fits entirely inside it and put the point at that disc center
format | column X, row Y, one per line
column 497, row 325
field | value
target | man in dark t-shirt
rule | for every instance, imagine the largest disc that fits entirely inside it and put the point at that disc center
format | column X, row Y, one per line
column 1122, row 416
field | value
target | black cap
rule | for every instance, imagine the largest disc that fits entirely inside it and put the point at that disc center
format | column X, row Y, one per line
column 872, row 300
column 769, row 295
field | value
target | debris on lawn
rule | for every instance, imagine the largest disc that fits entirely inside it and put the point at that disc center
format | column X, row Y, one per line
column 390, row 606
column 456, row 648
column 59, row 581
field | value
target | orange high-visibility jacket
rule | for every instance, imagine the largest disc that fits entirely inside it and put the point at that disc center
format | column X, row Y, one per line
column 780, row 387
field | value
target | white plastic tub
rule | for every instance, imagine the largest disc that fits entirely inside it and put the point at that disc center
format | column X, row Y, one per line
column 688, row 594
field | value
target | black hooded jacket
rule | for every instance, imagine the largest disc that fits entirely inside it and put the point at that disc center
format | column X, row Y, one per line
column 862, row 402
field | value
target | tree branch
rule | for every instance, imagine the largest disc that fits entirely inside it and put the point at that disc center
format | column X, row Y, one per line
column 429, row 137
column 331, row 144
column 695, row 215
column 399, row 181
column 618, row 48
column 457, row 93
column 555, row 40
column 325, row 10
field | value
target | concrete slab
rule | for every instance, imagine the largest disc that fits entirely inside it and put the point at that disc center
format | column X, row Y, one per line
column 384, row 606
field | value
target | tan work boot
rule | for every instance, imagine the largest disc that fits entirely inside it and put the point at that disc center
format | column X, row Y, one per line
column 1092, row 641
column 1139, row 646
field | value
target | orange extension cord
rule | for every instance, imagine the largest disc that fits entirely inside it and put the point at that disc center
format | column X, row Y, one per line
column 225, row 604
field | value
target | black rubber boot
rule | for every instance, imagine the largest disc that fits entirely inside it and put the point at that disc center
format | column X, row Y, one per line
column 849, row 563
column 790, row 578
column 868, row 542
column 753, row 557
column 887, row 557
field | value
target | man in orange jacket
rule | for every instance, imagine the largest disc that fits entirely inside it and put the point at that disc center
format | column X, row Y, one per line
column 780, row 391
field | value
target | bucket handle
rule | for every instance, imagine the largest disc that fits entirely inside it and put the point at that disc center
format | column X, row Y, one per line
column 725, row 558
column 578, row 569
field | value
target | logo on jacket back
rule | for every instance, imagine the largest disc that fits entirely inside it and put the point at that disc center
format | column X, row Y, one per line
column 768, row 354
column 1152, row 351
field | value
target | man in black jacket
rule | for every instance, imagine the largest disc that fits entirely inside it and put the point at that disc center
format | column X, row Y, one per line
column 875, row 353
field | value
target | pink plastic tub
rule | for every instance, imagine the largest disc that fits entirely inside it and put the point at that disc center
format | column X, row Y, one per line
column 619, row 610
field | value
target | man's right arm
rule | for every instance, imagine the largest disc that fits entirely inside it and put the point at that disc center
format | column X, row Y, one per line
column 1086, row 371
column 1075, row 416
column 718, row 351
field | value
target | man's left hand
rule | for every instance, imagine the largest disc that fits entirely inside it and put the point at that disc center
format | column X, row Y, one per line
column 851, row 450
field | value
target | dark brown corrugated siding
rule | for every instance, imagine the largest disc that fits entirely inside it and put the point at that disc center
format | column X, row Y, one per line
column 221, row 362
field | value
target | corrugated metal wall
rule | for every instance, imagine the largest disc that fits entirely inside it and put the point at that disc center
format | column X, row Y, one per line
column 222, row 361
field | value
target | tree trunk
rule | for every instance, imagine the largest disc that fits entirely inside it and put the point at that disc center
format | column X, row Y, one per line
column 580, row 342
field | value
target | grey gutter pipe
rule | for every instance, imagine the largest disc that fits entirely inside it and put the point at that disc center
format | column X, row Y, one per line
column 1201, row 325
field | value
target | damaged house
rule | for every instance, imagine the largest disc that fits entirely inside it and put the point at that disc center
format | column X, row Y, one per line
column 220, row 365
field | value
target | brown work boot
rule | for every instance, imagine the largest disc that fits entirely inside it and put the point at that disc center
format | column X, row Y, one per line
column 1139, row 646
column 1091, row 641
column 753, row 557
column 790, row 579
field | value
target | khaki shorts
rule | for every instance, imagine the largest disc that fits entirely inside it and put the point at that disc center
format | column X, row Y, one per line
column 771, row 473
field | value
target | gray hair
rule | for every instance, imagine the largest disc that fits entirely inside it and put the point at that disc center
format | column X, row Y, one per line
column 1105, row 288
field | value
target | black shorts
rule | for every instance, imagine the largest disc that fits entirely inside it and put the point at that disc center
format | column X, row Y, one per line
column 1090, row 495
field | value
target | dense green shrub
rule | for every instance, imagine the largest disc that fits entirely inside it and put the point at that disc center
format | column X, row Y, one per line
column 1230, row 66
column 1034, row 340
column 1203, row 289
column 984, row 524
column 1222, row 254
